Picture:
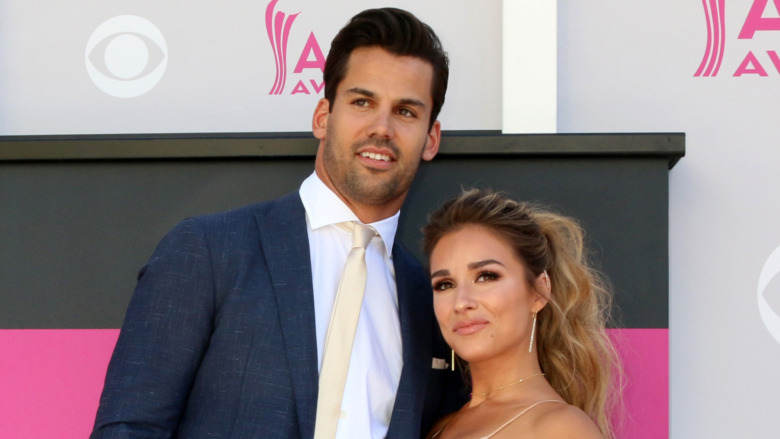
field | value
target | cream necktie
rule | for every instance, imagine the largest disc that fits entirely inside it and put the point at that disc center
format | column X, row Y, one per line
column 341, row 332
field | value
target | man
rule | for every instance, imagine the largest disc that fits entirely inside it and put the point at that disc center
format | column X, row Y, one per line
column 226, row 331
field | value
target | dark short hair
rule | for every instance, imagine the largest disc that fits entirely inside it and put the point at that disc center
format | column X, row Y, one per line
column 396, row 31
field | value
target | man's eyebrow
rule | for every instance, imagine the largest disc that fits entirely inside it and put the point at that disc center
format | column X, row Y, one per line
column 410, row 102
column 360, row 91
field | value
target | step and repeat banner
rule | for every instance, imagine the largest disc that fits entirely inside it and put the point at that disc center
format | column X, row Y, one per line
column 96, row 67
column 710, row 69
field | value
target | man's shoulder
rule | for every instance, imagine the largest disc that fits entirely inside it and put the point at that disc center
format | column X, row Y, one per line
column 243, row 224
column 237, row 231
column 286, row 206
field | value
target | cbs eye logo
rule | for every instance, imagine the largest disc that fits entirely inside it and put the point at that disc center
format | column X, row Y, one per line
column 126, row 56
column 770, row 317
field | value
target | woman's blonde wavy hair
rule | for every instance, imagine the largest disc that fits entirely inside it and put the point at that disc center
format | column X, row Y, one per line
column 575, row 353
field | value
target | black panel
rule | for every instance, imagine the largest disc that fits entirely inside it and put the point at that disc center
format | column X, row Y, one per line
column 621, row 203
column 73, row 234
column 670, row 146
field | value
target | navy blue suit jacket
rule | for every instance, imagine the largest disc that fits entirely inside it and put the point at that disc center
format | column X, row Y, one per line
column 219, row 337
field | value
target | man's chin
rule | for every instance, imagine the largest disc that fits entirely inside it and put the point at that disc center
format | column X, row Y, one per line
column 376, row 195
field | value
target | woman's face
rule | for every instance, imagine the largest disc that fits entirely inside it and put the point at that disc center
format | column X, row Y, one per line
column 481, row 297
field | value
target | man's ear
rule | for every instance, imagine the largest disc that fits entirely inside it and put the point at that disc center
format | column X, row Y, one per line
column 432, row 145
column 319, row 121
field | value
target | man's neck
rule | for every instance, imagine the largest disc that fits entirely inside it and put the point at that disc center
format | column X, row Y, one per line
column 366, row 213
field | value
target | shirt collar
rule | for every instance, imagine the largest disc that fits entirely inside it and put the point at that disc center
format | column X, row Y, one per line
column 323, row 208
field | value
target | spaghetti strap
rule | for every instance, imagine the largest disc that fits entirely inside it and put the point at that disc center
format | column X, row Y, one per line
column 441, row 429
column 505, row 424
column 518, row 415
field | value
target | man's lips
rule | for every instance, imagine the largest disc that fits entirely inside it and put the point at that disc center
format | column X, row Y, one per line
column 470, row 326
column 376, row 156
column 377, row 150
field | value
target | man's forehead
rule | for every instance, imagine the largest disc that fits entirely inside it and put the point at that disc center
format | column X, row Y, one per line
column 372, row 71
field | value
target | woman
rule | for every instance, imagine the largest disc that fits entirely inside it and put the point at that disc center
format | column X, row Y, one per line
column 518, row 303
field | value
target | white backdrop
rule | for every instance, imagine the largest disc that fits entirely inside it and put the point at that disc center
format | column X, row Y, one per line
column 209, row 63
column 622, row 67
column 629, row 67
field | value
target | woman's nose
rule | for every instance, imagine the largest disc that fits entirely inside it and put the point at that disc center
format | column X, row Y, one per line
column 464, row 299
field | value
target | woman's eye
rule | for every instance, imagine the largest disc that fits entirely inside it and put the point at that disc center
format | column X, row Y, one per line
column 441, row 286
column 486, row 276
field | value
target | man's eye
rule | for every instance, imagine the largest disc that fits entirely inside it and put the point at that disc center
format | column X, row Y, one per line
column 361, row 102
column 406, row 112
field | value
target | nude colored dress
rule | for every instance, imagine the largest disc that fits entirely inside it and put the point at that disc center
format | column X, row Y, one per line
column 514, row 418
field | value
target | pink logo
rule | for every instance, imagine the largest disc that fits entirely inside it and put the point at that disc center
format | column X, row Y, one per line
column 756, row 20
column 278, row 26
column 716, row 38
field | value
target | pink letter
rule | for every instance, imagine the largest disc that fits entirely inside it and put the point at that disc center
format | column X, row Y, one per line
column 317, row 87
column 750, row 59
column 300, row 87
column 312, row 47
column 755, row 21
column 775, row 59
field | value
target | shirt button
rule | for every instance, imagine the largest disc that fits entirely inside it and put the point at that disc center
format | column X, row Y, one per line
column 343, row 414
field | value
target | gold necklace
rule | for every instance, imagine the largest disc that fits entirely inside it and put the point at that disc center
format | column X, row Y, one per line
column 508, row 385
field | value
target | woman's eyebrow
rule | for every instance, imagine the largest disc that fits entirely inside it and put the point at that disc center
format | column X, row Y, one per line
column 472, row 266
column 438, row 273
column 480, row 264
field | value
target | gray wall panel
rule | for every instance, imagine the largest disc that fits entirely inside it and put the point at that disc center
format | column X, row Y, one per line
column 73, row 234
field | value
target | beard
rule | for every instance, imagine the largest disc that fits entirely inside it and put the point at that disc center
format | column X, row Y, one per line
column 363, row 185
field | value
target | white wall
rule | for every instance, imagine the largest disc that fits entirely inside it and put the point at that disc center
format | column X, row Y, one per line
column 629, row 67
column 218, row 64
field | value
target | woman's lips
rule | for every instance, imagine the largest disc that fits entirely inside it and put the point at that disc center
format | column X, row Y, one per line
column 470, row 326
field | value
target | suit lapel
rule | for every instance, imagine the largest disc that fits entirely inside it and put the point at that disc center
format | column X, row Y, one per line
column 416, row 315
column 285, row 246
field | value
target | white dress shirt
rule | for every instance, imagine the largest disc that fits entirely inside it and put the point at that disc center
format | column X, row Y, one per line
column 376, row 361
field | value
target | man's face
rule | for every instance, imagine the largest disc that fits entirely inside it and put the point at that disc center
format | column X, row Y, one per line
column 372, row 140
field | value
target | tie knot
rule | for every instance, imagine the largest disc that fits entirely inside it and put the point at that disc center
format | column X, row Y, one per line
column 361, row 234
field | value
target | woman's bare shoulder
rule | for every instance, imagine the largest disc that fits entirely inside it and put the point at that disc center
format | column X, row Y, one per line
column 565, row 421
column 439, row 426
